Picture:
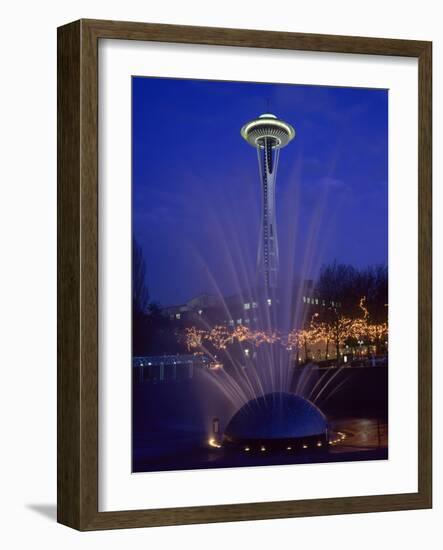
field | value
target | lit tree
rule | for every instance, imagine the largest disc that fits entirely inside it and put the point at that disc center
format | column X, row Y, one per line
column 194, row 338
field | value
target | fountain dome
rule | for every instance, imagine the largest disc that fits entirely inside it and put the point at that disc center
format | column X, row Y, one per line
column 277, row 420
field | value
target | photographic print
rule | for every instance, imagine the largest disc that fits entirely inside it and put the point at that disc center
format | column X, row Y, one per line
column 259, row 274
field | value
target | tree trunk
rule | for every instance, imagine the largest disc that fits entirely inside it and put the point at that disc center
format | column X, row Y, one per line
column 337, row 343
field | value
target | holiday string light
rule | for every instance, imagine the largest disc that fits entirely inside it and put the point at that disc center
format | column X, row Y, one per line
column 338, row 330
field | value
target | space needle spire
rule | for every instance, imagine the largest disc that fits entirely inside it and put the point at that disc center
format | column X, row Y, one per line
column 268, row 135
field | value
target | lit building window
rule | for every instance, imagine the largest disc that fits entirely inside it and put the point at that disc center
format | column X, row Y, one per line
column 239, row 321
column 316, row 301
column 308, row 300
column 247, row 305
column 269, row 302
column 254, row 305
column 304, row 299
column 200, row 311
column 178, row 315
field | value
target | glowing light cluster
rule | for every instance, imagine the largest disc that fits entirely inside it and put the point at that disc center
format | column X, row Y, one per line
column 221, row 337
column 341, row 329
column 214, row 443
column 338, row 439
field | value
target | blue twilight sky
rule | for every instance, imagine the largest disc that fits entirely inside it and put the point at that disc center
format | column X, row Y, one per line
column 196, row 189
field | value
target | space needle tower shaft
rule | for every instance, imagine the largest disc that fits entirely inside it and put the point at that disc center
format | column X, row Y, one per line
column 268, row 135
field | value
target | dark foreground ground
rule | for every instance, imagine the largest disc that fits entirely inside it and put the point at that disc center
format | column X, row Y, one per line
column 364, row 439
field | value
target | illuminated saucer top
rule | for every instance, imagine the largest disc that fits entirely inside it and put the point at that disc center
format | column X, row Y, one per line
column 282, row 416
column 267, row 125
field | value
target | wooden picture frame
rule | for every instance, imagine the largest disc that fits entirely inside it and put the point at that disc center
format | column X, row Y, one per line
column 78, row 274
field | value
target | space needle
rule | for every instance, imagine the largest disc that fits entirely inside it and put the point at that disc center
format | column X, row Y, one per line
column 268, row 135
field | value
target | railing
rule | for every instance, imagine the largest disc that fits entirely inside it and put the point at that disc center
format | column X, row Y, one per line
column 163, row 368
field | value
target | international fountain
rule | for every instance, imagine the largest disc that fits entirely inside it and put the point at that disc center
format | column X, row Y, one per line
column 267, row 416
